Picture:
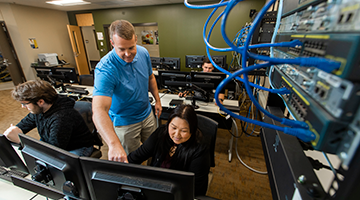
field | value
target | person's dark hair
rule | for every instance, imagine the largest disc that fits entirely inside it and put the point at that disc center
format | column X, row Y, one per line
column 33, row 91
column 123, row 29
column 206, row 60
column 187, row 113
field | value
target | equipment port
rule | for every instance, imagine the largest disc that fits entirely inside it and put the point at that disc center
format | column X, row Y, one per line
column 298, row 106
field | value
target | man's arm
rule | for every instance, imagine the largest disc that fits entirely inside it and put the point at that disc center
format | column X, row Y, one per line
column 155, row 92
column 12, row 133
column 102, row 121
column 221, row 97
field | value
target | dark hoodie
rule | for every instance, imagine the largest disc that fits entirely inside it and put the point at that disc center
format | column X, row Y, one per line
column 61, row 126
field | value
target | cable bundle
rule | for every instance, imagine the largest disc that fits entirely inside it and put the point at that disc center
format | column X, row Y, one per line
column 297, row 128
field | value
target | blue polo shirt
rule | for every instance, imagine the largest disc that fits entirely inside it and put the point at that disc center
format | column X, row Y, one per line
column 127, row 84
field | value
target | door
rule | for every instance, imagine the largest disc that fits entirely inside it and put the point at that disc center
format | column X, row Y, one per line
column 91, row 47
column 77, row 45
column 10, row 68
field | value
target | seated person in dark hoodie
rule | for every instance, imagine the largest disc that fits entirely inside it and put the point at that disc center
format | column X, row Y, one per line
column 178, row 145
column 57, row 121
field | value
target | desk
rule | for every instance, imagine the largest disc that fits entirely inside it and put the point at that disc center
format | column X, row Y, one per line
column 90, row 89
column 9, row 191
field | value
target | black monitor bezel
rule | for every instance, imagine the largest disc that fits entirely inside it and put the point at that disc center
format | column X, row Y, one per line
column 183, row 78
column 65, row 75
column 8, row 156
column 194, row 61
column 62, row 165
column 40, row 72
column 211, row 84
column 174, row 62
column 59, row 74
column 37, row 187
column 156, row 62
column 220, row 60
column 96, row 169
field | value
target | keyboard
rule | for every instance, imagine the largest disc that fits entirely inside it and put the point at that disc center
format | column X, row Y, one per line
column 74, row 87
column 233, row 108
column 5, row 173
column 77, row 90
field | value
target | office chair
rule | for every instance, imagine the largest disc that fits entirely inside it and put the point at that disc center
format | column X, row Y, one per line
column 84, row 108
column 87, row 79
column 209, row 127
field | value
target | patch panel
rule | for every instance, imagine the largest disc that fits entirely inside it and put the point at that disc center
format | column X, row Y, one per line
column 330, row 16
column 329, row 130
column 338, row 96
column 339, row 47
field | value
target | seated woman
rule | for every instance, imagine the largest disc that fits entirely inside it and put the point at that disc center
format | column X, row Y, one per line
column 178, row 145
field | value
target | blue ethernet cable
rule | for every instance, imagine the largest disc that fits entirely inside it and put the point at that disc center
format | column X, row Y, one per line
column 284, row 121
column 278, row 19
column 303, row 134
column 277, row 25
column 324, row 64
column 247, row 87
column 280, row 91
column 216, row 5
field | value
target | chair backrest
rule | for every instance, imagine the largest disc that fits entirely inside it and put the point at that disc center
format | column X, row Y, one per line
column 84, row 108
column 87, row 79
column 208, row 127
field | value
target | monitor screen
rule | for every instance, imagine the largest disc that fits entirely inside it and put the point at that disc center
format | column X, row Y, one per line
column 8, row 156
column 171, row 63
column 113, row 180
column 44, row 72
column 194, row 61
column 156, row 62
column 207, row 80
column 220, row 61
column 65, row 75
column 54, row 167
column 174, row 79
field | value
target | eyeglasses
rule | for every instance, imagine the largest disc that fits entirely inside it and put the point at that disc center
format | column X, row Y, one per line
column 25, row 104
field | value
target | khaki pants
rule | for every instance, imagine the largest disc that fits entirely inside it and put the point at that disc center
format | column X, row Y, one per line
column 132, row 136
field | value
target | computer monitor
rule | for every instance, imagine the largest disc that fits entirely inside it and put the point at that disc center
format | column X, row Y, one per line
column 65, row 75
column 54, row 167
column 171, row 63
column 203, row 84
column 207, row 80
column 156, row 62
column 44, row 72
column 174, row 79
column 194, row 61
column 8, row 156
column 112, row 180
column 220, row 60
column 38, row 188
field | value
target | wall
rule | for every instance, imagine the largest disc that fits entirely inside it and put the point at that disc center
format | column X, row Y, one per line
column 47, row 26
column 153, row 49
column 180, row 28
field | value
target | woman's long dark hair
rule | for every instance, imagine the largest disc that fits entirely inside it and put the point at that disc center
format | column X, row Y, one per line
column 186, row 149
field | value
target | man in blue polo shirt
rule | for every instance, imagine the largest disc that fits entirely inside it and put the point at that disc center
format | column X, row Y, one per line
column 121, row 109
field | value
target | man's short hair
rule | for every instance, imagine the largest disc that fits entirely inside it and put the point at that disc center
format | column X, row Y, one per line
column 123, row 29
column 33, row 91
column 206, row 60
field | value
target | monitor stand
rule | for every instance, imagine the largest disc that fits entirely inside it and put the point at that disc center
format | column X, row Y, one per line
column 193, row 102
